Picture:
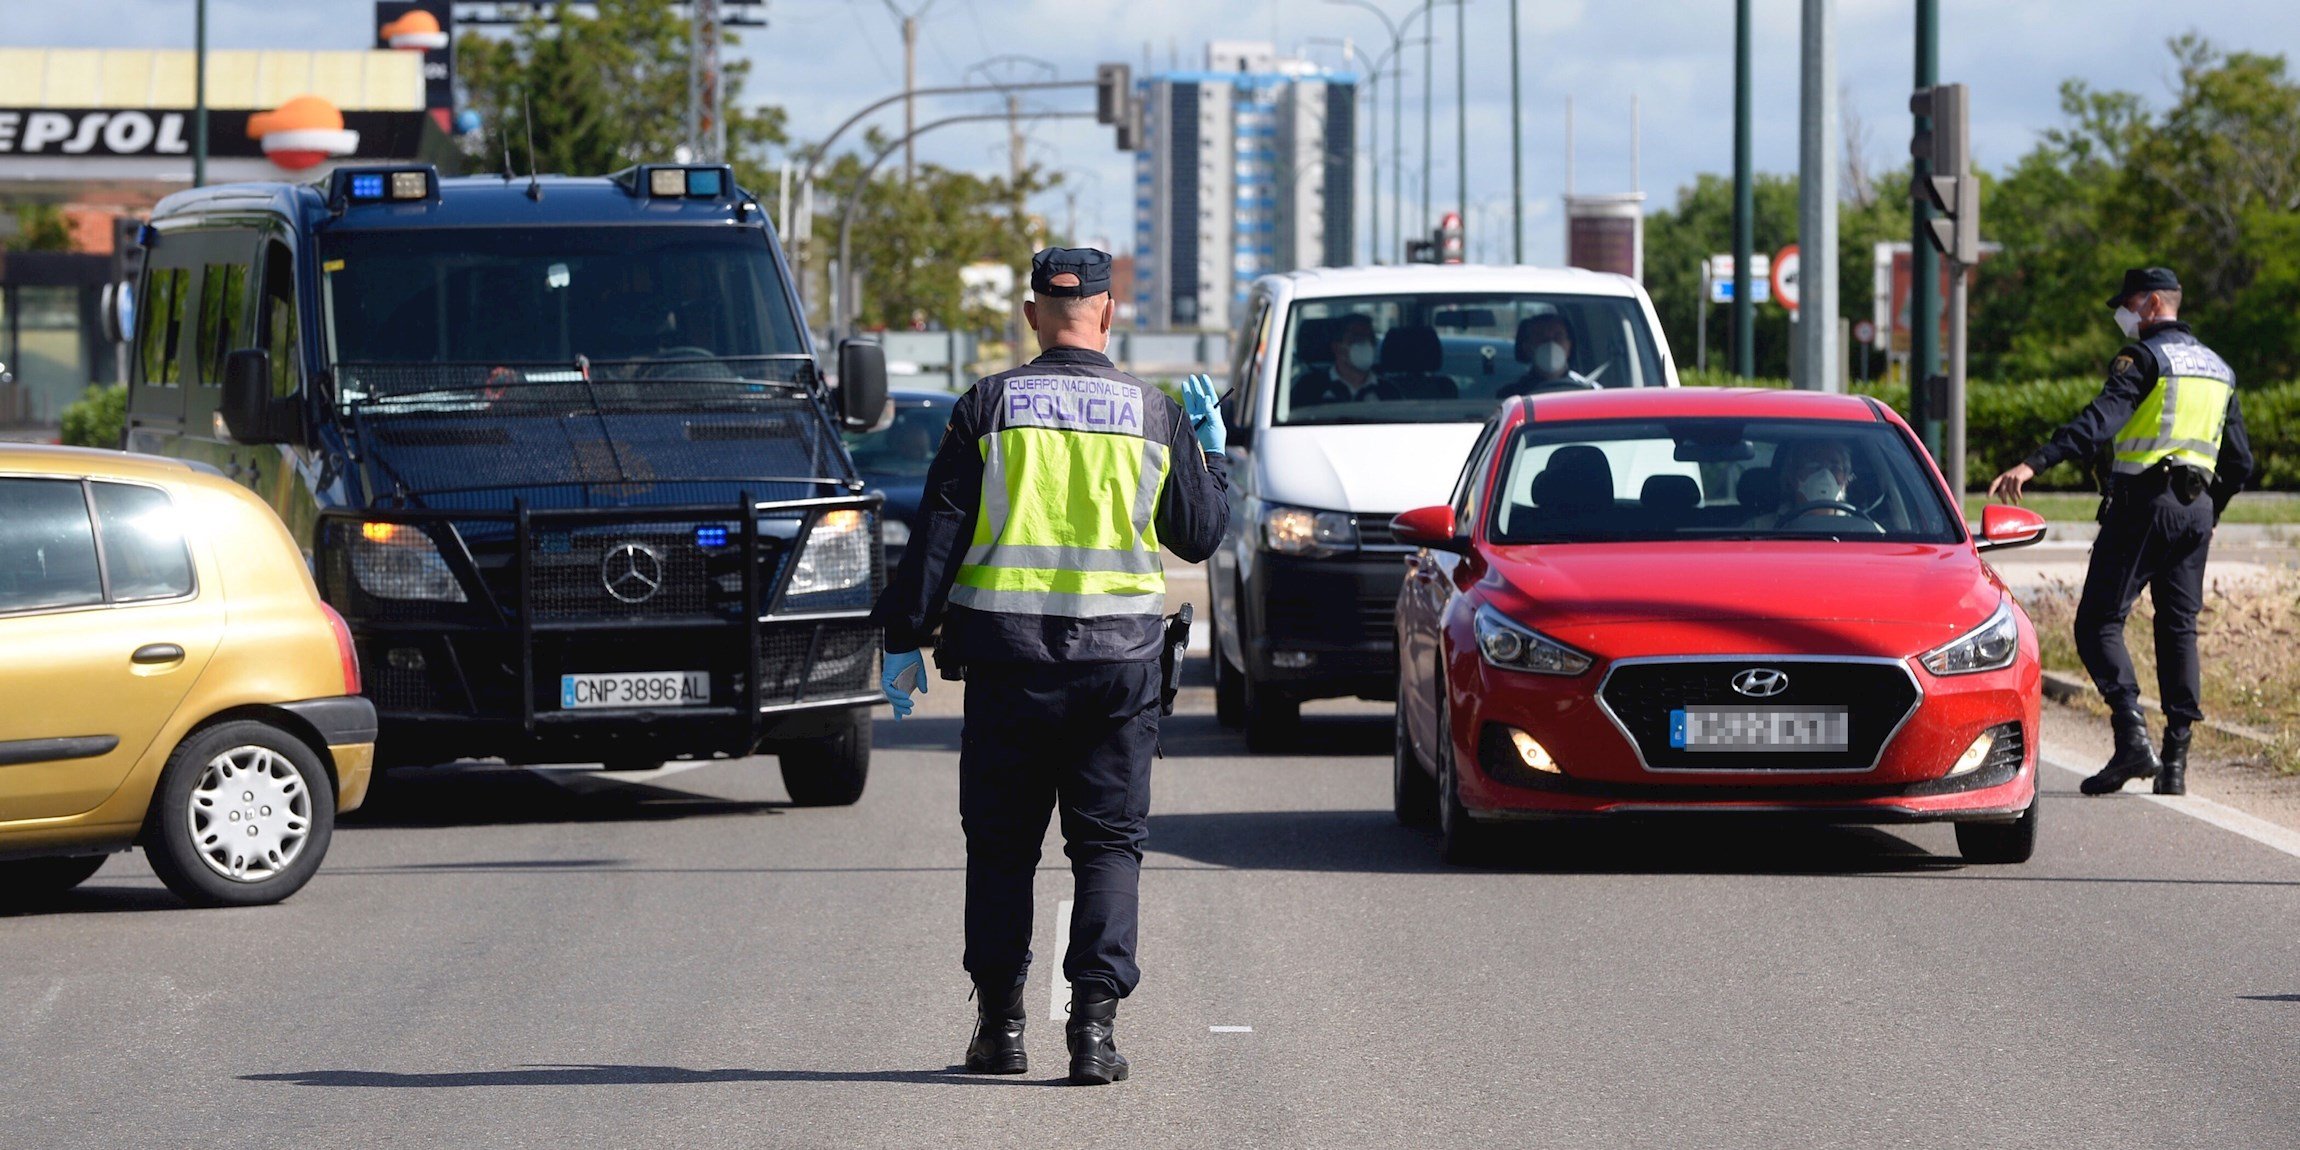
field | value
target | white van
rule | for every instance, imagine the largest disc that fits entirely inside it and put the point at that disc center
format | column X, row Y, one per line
column 1356, row 393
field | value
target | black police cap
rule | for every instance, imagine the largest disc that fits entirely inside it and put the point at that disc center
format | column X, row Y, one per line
column 2138, row 280
column 1070, row 272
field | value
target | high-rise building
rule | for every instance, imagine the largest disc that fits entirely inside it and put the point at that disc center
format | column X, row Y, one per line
column 1246, row 168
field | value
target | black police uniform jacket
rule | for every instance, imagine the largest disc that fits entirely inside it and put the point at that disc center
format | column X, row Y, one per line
column 2130, row 376
column 1193, row 510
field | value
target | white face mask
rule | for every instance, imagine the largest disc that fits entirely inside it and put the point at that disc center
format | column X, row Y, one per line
column 1549, row 358
column 1820, row 487
column 2128, row 322
column 1361, row 356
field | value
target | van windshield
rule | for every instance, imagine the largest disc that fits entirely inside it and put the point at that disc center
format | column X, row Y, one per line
column 474, row 306
column 1431, row 358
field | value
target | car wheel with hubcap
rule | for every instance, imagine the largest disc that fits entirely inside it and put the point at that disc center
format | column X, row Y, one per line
column 830, row 770
column 1413, row 793
column 1999, row 843
column 37, row 882
column 243, row 816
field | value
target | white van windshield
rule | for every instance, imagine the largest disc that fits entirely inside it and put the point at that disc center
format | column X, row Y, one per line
column 1448, row 358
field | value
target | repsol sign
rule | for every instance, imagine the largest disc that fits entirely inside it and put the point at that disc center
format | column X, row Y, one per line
column 116, row 132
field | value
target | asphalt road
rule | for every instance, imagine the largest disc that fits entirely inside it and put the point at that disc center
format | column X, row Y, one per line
column 497, row 957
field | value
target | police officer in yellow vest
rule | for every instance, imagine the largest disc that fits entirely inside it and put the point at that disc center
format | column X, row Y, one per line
column 1038, row 556
column 2169, row 419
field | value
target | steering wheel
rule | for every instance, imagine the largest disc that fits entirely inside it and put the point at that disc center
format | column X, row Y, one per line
column 1804, row 509
column 710, row 369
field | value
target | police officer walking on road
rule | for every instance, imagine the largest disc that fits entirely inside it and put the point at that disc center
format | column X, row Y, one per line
column 1038, row 556
column 2169, row 418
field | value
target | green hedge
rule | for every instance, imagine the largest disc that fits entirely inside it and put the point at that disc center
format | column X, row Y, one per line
column 2006, row 421
column 97, row 419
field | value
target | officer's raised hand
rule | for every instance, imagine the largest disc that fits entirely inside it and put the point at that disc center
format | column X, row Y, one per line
column 2008, row 486
column 905, row 671
column 1205, row 410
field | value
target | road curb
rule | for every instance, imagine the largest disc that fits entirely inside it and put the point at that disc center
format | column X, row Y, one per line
column 2065, row 688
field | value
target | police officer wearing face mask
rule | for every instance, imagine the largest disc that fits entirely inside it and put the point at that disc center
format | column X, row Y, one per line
column 2170, row 424
column 1037, row 554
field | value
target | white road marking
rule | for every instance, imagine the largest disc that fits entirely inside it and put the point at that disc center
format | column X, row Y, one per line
column 1231, row 1029
column 2221, row 815
column 1058, row 991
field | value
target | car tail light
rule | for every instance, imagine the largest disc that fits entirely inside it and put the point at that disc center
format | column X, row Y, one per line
column 344, row 650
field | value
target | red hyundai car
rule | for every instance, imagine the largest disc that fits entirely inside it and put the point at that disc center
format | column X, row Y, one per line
column 1706, row 600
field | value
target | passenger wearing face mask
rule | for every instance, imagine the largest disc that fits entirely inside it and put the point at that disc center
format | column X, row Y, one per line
column 1545, row 346
column 1351, row 376
column 1813, row 475
column 2169, row 418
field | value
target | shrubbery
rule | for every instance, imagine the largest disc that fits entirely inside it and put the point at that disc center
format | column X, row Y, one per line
column 2006, row 421
column 97, row 419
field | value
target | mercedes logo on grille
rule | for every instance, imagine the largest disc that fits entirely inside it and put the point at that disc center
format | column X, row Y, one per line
column 632, row 572
column 1761, row 682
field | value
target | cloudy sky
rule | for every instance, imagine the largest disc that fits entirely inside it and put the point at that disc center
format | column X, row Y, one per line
column 821, row 59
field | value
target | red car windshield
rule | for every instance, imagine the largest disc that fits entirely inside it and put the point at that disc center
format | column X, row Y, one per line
column 1714, row 478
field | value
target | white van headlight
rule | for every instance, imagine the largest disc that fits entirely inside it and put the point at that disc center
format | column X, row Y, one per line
column 1300, row 531
column 1988, row 647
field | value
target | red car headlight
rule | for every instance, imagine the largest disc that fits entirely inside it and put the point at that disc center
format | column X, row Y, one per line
column 1513, row 646
column 1988, row 647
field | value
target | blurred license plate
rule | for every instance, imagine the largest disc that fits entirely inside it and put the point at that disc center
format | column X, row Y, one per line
column 643, row 689
column 1761, row 728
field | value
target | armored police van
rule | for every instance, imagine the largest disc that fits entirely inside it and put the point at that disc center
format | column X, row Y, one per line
column 559, row 450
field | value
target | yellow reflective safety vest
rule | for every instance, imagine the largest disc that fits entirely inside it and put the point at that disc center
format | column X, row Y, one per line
column 1072, row 467
column 2181, row 417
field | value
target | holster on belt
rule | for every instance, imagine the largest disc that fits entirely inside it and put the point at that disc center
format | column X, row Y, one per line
column 1170, row 656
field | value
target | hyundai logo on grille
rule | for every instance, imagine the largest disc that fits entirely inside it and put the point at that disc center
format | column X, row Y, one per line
column 632, row 572
column 1761, row 682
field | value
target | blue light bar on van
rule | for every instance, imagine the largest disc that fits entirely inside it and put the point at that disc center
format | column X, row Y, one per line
column 711, row 536
column 696, row 182
column 382, row 185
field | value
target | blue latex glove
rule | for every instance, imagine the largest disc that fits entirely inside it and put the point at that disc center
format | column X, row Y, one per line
column 1205, row 409
column 898, row 662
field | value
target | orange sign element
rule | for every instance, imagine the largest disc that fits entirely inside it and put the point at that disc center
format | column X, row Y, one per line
column 302, row 132
column 417, row 31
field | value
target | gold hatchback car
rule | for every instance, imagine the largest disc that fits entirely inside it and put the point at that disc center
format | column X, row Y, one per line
column 168, row 679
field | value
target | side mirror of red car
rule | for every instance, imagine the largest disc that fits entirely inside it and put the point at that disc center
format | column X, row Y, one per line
column 1430, row 527
column 2003, row 525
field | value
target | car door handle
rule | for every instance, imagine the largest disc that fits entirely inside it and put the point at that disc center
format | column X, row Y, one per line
column 153, row 654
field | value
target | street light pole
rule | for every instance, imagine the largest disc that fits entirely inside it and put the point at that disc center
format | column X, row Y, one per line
column 1744, row 204
column 1516, row 147
column 1461, row 112
column 200, row 93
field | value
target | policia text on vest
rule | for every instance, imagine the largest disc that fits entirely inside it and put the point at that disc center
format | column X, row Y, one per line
column 2171, row 431
column 1037, row 557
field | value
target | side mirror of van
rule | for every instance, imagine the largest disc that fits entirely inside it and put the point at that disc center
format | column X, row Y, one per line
column 250, row 412
column 862, row 383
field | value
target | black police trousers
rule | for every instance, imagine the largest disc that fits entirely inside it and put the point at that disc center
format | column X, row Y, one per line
column 2149, row 538
column 1040, row 736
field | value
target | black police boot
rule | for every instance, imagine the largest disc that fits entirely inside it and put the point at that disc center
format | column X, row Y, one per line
column 997, row 1045
column 2173, row 779
column 2134, row 758
column 1094, row 1057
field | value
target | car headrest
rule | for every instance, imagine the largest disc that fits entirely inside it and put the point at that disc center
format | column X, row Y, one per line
column 1578, row 478
column 1755, row 488
column 1670, row 493
column 1413, row 348
column 1314, row 340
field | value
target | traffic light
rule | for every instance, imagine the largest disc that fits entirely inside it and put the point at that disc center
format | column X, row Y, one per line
column 1114, row 104
column 1449, row 239
column 1951, row 187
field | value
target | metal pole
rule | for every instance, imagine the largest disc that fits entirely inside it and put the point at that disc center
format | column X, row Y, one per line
column 200, row 94
column 1461, row 115
column 1924, row 262
column 1817, row 200
column 1953, row 438
column 1374, row 162
column 1398, row 155
column 1021, row 230
column 910, row 99
column 1744, row 204
column 1516, row 147
column 1701, row 323
column 1429, row 69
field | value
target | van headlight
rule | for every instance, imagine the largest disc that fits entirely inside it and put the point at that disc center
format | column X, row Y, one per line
column 836, row 557
column 1988, row 647
column 399, row 561
column 1513, row 646
column 1300, row 531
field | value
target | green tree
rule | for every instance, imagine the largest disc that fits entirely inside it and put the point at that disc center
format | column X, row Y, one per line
column 1700, row 225
column 606, row 89
column 40, row 228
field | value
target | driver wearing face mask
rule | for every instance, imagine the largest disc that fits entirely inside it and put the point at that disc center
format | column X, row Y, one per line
column 1545, row 346
column 1351, row 376
column 1814, row 475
